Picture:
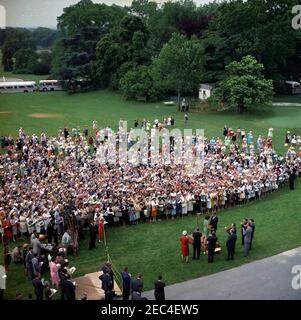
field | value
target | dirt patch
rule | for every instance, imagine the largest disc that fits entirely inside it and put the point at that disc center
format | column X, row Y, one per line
column 44, row 115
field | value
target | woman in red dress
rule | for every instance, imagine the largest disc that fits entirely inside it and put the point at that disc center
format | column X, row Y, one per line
column 101, row 226
column 184, row 246
column 7, row 229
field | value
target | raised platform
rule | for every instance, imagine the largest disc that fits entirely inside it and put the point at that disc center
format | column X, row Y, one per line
column 91, row 284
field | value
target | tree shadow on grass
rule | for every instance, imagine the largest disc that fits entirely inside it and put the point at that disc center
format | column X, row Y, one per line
column 255, row 111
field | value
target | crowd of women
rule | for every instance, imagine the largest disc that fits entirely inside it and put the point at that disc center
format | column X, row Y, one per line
column 57, row 187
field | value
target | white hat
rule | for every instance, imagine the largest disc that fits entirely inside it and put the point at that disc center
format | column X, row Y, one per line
column 184, row 233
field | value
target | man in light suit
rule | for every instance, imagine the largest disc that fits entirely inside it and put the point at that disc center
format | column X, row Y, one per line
column 247, row 233
column 36, row 246
column 36, row 265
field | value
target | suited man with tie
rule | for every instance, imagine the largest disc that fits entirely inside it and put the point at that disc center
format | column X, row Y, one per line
column 211, row 243
column 93, row 229
column 126, row 284
column 197, row 235
column 214, row 222
column 247, row 239
column 107, row 285
column 159, row 289
column 231, row 244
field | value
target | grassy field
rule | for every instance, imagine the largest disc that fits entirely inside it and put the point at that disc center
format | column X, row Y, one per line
column 155, row 248
column 107, row 108
column 151, row 249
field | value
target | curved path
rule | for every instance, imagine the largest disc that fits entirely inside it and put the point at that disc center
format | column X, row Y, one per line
column 266, row 279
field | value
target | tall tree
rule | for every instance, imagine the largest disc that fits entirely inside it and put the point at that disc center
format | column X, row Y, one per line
column 176, row 16
column 179, row 66
column 121, row 50
column 257, row 27
column 25, row 60
column 138, row 83
column 244, row 84
column 82, row 26
column 44, row 62
column 15, row 39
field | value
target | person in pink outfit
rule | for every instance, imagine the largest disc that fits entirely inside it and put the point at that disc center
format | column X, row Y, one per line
column 54, row 273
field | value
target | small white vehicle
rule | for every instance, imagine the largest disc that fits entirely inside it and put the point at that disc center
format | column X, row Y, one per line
column 50, row 85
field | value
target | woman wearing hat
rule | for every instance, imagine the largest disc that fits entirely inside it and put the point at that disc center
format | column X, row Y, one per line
column 185, row 246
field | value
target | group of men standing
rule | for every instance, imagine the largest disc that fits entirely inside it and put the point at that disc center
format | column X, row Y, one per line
column 132, row 287
column 208, row 243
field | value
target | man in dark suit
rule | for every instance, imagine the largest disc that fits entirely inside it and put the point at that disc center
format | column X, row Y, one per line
column 292, row 178
column 137, row 284
column 231, row 244
column 126, row 284
column 106, row 285
column 69, row 288
column 28, row 263
column 197, row 235
column 63, row 277
column 38, row 287
column 159, row 289
column 252, row 223
column 93, row 232
column 107, row 268
column 214, row 222
column 211, row 242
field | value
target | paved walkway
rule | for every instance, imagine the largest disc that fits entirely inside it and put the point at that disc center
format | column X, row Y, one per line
column 267, row 279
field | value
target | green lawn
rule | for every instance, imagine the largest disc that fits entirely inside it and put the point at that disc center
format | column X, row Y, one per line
column 107, row 108
column 155, row 248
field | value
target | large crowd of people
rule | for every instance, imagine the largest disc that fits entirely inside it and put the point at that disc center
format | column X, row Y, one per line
column 57, row 187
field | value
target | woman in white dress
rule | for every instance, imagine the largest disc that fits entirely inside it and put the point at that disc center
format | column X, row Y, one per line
column 184, row 206
column 23, row 225
column 14, row 223
column 189, row 203
column 30, row 225
column 208, row 203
